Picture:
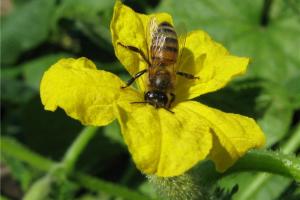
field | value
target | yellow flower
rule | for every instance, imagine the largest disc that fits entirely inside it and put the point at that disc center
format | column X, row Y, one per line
column 160, row 142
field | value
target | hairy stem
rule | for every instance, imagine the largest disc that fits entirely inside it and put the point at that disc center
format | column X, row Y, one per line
column 290, row 146
column 257, row 160
column 268, row 161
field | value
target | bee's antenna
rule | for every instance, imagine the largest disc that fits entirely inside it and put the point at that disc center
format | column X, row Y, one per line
column 138, row 102
column 169, row 110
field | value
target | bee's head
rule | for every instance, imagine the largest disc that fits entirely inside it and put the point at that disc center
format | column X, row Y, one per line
column 156, row 98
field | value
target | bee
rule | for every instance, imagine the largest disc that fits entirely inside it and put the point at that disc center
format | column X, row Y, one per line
column 162, row 59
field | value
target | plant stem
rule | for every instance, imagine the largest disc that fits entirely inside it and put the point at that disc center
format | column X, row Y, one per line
column 77, row 147
column 96, row 185
column 264, row 20
column 290, row 146
column 268, row 161
column 256, row 160
column 20, row 152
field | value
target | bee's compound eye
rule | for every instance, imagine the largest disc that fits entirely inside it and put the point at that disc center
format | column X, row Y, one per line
column 156, row 98
column 162, row 98
column 149, row 95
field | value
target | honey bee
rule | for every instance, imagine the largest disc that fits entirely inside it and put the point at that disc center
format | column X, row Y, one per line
column 162, row 59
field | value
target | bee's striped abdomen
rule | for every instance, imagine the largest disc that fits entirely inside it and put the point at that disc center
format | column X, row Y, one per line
column 164, row 46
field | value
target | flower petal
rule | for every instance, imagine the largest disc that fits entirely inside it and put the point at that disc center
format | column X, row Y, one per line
column 163, row 143
column 233, row 135
column 211, row 62
column 130, row 29
column 85, row 93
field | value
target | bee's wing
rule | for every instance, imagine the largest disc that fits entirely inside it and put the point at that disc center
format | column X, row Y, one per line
column 150, row 32
column 182, row 34
column 151, row 27
column 155, row 39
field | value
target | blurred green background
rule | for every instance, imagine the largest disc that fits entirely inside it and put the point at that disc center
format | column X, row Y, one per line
column 36, row 33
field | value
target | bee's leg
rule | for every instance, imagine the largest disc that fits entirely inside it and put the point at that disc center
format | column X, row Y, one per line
column 172, row 99
column 137, row 75
column 186, row 75
column 137, row 50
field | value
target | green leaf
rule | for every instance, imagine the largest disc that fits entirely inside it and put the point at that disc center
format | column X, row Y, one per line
column 92, row 17
column 10, row 73
column 292, row 89
column 21, row 172
column 14, row 91
column 94, row 197
column 25, row 28
column 247, row 92
column 276, row 120
column 271, row 186
column 292, row 193
column 33, row 70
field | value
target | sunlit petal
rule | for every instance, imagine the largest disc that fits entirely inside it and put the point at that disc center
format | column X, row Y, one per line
column 209, row 61
column 164, row 143
column 233, row 135
column 85, row 93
